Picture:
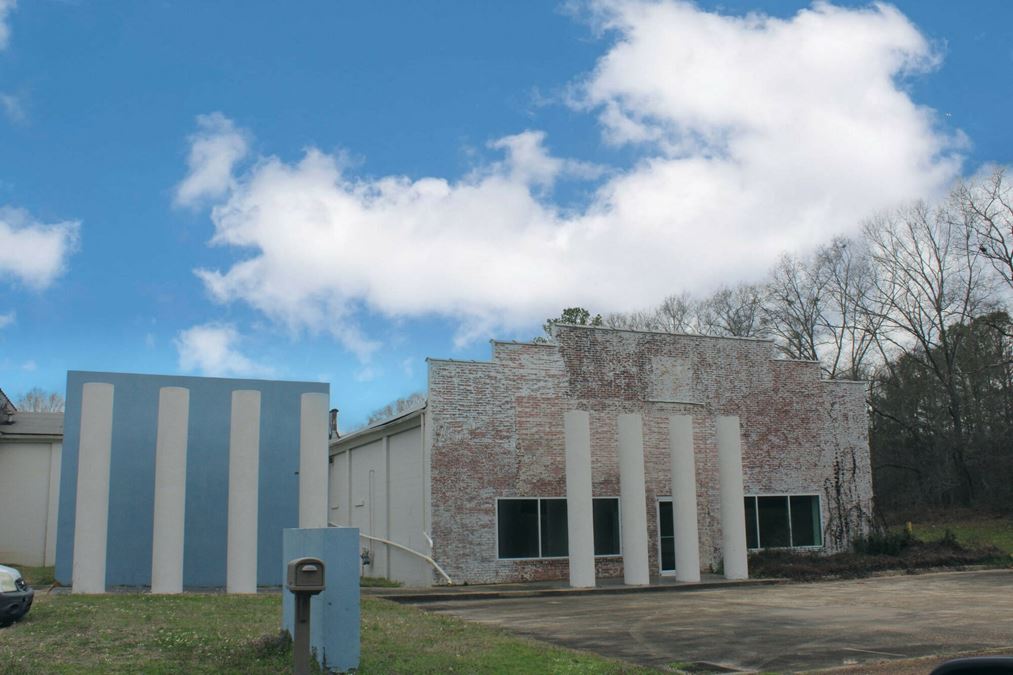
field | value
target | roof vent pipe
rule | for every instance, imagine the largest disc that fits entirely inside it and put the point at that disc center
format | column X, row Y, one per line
column 333, row 433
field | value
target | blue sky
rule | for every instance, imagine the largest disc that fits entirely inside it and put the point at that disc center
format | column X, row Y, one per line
column 337, row 190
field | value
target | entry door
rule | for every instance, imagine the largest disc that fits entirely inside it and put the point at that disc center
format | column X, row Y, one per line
column 666, row 536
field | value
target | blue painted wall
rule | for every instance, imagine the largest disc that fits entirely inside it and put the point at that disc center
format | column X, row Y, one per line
column 334, row 614
column 132, row 475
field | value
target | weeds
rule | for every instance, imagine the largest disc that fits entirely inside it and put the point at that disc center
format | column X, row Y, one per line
column 875, row 552
column 884, row 542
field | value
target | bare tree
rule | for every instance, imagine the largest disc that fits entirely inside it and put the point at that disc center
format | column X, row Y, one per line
column 928, row 280
column 637, row 320
column 678, row 314
column 851, row 316
column 987, row 208
column 816, row 308
column 733, row 312
column 37, row 400
column 675, row 314
column 408, row 403
column 793, row 306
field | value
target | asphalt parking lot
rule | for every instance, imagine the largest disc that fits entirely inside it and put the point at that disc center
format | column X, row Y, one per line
column 780, row 628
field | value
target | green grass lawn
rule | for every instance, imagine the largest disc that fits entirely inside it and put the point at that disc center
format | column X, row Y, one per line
column 970, row 531
column 239, row 634
column 155, row 634
column 400, row 639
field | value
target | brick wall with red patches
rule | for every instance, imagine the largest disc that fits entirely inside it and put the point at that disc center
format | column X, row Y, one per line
column 497, row 431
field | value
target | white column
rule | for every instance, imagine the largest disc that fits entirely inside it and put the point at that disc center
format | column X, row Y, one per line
column 170, row 490
column 579, row 514
column 684, row 515
column 633, row 500
column 91, row 518
column 313, row 466
column 55, row 459
column 244, row 473
column 733, row 511
column 346, row 489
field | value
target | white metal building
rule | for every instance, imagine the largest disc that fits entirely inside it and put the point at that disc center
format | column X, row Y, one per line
column 30, row 452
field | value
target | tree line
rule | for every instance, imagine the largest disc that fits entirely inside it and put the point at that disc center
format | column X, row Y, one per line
column 37, row 400
column 919, row 305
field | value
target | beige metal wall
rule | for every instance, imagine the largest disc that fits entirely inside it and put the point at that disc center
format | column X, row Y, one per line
column 29, row 491
column 378, row 487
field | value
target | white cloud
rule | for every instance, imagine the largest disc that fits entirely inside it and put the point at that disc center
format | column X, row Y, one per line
column 214, row 151
column 32, row 252
column 12, row 106
column 212, row 350
column 6, row 7
column 29, row 366
column 368, row 374
column 7, row 319
column 755, row 134
column 408, row 367
column 529, row 163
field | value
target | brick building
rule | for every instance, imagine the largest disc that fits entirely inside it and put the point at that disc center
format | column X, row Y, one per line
column 479, row 478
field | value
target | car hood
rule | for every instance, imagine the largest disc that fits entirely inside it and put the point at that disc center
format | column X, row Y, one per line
column 10, row 570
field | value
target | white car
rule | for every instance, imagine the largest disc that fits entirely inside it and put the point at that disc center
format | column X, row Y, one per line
column 15, row 596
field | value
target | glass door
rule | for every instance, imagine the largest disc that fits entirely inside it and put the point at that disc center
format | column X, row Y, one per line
column 666, row 536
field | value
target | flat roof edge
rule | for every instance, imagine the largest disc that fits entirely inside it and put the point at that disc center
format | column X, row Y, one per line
column 111, row 373
column 431, row 359
column 523, row 343
column 663, row 332
column 379, row 426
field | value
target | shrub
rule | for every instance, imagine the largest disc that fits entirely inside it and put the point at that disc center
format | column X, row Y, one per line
column 877, row 552
column 884, row 542
column 949, row 540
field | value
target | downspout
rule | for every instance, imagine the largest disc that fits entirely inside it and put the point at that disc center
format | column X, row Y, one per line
column 404, row 548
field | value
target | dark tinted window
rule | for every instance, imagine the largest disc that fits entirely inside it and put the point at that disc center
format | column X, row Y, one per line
column 773, row 513
column 752, row 540
column 805, row 521
column 521, row 520
column 555, row 539
column 769, row 525
column 518, row 528
column 606, row 526
column 666, row 533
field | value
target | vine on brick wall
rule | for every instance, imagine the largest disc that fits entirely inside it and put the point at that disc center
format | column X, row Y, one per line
column 848, row 517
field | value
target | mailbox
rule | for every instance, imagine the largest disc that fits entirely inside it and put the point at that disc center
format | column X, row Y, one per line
column 305, row 579
column 306, row 575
